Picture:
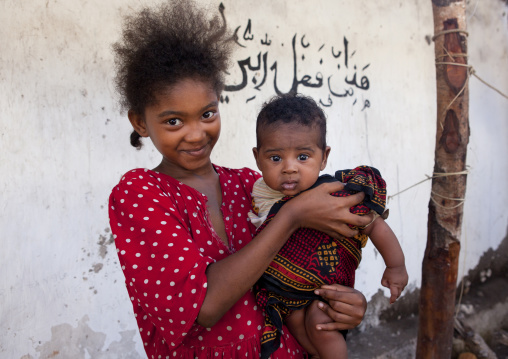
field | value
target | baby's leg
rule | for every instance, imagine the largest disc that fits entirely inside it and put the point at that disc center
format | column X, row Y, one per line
column 328, row 344
column 295, row 322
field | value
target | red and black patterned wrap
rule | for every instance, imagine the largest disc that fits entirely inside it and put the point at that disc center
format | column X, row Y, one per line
column 311, row 258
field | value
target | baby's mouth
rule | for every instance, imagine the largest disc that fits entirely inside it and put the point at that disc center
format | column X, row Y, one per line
column 289, row 185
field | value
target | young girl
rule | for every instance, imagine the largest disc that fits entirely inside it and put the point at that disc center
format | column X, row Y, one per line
column 182, row 230
column 291, row 151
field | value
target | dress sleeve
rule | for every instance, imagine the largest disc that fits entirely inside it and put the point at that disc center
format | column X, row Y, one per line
column 164, row 269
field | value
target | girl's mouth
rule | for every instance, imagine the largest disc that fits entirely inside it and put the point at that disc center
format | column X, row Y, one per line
column 196, row 152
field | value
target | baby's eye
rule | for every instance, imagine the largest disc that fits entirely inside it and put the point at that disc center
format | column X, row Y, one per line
column 303, row 157
column 208, row 114
column 275, row 158
column 174, row 122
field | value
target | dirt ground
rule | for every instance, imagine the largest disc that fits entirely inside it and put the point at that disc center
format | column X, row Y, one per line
column 484, row 308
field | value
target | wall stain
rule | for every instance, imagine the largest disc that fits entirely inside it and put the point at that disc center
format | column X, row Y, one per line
column 82, row 342
column 104, row 241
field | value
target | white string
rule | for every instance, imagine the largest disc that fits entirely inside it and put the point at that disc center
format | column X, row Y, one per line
column 434, row 175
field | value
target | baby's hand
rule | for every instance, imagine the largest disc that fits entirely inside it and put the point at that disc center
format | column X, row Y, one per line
column 395, row 278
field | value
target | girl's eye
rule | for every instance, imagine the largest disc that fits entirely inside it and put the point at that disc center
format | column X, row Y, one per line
column 303, row 157
column 174, row 122
column 275, row 158
column 208, row 114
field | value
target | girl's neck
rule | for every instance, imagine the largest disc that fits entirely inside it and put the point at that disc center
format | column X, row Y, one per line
column 189, row 177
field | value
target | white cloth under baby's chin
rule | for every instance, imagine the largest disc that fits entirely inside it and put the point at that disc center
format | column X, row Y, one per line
column 264, row 198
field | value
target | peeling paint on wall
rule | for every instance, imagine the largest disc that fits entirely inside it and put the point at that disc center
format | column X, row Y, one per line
column 82, row 342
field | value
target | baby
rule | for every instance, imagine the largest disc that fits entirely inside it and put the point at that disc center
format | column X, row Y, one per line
column 291, row 151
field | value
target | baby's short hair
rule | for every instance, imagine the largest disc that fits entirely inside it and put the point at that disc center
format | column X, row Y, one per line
column 292, row 109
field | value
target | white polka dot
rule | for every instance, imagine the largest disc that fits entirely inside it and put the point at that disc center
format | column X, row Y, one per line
column 181, row 259
column 219, row 338
column 151, row 209
column 241, row 336
column 238, row 316
column 229, row 328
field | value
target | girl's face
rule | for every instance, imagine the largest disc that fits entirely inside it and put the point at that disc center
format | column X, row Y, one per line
column 184, row 125
column 289, row 157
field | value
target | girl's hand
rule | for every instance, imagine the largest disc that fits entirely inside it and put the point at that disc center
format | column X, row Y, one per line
column 319, row 210
column 346, row 306
column 395, row 278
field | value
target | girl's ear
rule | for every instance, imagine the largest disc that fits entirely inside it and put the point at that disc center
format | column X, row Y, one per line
column 138, row 123
column 326, row 152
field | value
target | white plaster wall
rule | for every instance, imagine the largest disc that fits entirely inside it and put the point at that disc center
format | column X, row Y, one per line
column 65, row 144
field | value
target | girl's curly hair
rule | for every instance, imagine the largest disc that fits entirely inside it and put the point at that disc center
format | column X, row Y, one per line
column 163, row 45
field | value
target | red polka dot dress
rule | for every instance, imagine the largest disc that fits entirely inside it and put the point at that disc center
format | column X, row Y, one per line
column 165, row 241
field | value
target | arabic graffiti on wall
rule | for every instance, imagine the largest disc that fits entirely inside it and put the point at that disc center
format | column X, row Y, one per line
column 328, row 69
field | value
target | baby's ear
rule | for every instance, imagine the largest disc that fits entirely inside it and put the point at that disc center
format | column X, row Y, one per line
column 326, row 152
column 256, row 154
column 138, row 123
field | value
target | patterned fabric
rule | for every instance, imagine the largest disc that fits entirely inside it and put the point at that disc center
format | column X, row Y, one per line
column 311, row 258
column 165, row 242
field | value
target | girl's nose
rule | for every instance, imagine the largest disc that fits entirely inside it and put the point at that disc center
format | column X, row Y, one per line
column 195, row 132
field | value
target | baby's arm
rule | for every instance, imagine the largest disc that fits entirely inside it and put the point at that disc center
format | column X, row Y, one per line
column 395, row 276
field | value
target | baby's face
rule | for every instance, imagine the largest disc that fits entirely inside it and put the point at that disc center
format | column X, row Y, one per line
column 289, row 157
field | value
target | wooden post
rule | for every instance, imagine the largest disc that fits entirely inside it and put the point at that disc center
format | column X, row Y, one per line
column 440, row 263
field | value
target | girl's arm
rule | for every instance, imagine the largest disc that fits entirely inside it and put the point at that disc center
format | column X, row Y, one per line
column 230, row 278
column 395, row 276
